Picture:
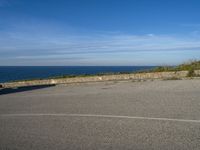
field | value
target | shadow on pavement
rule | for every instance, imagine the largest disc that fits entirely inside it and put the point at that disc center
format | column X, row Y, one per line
column 22, row 89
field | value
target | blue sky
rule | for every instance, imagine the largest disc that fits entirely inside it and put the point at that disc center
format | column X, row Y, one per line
column 99, row 32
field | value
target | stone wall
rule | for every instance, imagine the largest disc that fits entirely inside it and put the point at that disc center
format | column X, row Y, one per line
column 197, row 72
column 133, row 76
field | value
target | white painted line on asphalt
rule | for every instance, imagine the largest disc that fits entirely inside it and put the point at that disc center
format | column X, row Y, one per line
column 100, row 116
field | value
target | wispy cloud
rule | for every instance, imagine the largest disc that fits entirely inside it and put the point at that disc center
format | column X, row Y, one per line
column 96, row 44
column 51, row 44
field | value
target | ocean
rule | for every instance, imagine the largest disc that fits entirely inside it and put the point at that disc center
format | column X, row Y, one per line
column 15, row 73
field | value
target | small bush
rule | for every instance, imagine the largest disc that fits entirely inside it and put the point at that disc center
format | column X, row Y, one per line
column 191, row 73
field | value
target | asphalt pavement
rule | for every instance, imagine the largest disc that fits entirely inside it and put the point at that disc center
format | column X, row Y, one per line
column 150, row 115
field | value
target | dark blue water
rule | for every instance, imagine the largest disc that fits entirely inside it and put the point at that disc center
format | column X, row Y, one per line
column 14, row 73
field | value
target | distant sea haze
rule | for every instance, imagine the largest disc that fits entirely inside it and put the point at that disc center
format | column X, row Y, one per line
column 15, row 73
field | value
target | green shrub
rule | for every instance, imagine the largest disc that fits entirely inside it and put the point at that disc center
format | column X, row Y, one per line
column 190, row 66
column 191, row 73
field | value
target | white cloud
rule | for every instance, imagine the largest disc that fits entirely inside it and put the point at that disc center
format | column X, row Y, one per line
column 48, row 42
column 79, row 45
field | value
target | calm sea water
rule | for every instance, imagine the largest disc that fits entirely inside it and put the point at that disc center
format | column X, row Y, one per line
column 14, row 73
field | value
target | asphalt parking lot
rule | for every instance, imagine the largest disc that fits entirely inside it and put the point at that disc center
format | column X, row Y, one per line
column 150, row 115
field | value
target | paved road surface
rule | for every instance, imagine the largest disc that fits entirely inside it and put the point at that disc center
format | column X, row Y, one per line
column 151, row 115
